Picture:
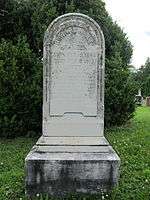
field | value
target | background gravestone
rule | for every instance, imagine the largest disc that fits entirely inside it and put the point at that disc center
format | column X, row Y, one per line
column 147, row 101
column 139, row 98
column 72, row 155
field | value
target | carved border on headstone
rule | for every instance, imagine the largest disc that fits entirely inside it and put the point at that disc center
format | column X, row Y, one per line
column 53, row 30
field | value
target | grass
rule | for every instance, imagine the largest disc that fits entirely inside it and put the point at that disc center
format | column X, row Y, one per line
column 132, row 142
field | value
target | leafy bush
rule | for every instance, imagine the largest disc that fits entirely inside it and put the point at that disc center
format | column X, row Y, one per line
column 21, row 69
column 20, row 89
column 119, row 93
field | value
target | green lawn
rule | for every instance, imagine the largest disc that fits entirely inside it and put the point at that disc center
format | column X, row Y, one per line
column 132, row 142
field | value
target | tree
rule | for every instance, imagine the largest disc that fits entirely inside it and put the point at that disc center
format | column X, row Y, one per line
column 142, row 78
column 20, row 89
column 118, row 54
column 31, row 18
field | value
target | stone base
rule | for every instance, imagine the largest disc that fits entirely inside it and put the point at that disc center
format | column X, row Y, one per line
column 60, row 170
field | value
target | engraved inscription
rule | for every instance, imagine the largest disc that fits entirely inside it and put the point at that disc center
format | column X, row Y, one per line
column 73, row 76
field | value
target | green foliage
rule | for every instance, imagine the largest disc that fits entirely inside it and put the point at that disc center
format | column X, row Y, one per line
column 119, row 94
column 131, row 142
column 20, row 89
column 146, row 86
column 31, row 18
column 142, row 77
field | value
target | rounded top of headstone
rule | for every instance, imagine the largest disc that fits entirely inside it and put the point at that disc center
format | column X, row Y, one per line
column 74, row 16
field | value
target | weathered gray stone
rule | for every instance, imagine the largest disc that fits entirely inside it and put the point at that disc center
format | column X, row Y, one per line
column 74, row 141
column 72, row 155
column 147, row 101
column 58, row 173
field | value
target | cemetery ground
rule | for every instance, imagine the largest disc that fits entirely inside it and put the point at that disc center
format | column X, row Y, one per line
column 132, row 142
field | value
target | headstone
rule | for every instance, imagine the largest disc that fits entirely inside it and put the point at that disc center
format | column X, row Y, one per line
column 139, row 98
column 72, row 154
column 139, row 92
column 147, row 101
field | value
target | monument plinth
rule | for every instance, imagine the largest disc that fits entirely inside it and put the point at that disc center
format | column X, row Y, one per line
column 72, row 154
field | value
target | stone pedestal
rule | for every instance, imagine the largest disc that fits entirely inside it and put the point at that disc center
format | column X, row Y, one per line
column 60, row 170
